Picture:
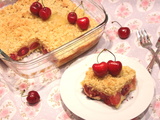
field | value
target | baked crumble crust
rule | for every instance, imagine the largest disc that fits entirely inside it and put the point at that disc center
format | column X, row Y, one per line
column 109, row 85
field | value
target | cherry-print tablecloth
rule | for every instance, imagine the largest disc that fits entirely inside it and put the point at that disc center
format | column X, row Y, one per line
column 135, row 14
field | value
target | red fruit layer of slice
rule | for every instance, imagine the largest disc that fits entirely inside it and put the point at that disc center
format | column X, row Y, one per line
column 110, row 100
column 44, row 51
column 13, row 56
column 23, row 51
column 34, row 45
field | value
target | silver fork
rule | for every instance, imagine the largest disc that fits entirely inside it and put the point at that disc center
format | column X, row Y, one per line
column 146, row 43
column 155, row 58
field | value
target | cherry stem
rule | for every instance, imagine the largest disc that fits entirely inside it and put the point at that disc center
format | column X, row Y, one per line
column 108, row 51
column 78, row 6
column 117, row 22
column 22, row 93
column 42, row 3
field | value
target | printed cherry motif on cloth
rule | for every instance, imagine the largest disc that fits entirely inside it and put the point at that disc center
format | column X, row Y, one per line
column 124, row 10
column 113, row 1
column 145, row 5
column 122, row 48
column 134, row 24
column 155, row 111
column 7, row 110
column 54, row 98
column 3, row 90
column 153, row 17
column 63, row 116
column 29, row 111
column 112, row 32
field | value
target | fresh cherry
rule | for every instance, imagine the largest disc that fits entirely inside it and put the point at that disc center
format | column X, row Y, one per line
column 35, row 8
column 100, row 69
column 33, row 97
column 83, row 23
column 72, row 17
column 23, row 51
column 114, row 67
column 45, row 13
column 123, row 32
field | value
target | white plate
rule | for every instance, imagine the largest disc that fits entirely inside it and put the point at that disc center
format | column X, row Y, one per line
column 78, row 103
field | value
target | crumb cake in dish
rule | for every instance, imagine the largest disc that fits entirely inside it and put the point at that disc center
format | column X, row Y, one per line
column 111, row 90
column 58, row 41
column 22, row 32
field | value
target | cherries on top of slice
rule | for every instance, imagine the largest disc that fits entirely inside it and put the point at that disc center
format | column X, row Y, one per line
column 103, row 68
column 43, row 12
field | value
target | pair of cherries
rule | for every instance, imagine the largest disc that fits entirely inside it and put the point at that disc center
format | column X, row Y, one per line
column 43, row 12
column 83, row 23
column 111, row 67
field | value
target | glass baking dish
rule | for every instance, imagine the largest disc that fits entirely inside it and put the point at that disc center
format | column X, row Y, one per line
column 67, row 52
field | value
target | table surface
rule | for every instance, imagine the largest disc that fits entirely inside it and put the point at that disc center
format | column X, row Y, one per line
column 136, row 14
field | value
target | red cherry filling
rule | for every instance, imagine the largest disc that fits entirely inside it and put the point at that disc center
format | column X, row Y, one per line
column 35, row 8
column 105, row 99
column 34, row 45
column 125, row 90
column 33, row 97
column 115, row 99
column 13, row 56
column 44, row 51
column 23, row 51
column 110, row 100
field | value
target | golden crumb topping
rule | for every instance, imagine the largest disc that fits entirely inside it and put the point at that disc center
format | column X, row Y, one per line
column 109, row 85
column 19, row 27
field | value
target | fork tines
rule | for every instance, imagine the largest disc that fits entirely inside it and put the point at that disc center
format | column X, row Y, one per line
column 143, row 37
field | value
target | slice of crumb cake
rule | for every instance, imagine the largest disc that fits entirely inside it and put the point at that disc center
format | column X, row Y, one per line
column 111, row 90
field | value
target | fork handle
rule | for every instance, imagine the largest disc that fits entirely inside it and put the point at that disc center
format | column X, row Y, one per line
column 150, row 66
column 155, row 58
